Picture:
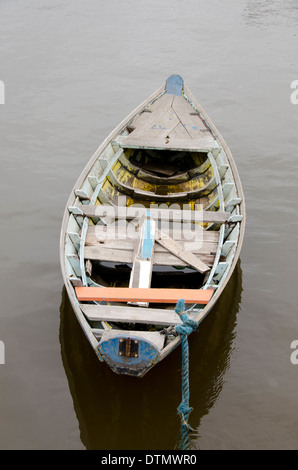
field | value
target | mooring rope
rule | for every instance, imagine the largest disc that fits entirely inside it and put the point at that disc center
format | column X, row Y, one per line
column 187, row 327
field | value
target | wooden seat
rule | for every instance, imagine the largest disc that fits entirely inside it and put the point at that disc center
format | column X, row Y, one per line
column 129, row 213
column 121, row 314
column 127, row 294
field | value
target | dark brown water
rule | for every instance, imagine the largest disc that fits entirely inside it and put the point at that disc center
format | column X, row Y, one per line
column 72, row 71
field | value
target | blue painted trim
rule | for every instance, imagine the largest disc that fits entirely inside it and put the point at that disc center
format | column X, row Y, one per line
column 148, row 241
column 174, row 85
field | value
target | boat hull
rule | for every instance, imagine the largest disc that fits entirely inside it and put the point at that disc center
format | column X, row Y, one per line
column 134, row 351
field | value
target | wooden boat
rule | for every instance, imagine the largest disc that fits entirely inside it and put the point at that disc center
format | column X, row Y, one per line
column 157, row 215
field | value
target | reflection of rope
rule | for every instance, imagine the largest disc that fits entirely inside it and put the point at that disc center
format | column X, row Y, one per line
column 184, row 410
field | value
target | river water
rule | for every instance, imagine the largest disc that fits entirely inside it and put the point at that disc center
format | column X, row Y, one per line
column 72, row 71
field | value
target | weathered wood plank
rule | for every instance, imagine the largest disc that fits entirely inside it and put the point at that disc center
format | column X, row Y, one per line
column 171, row 197
column 113, row 233
column 126, row 257
column 201, row 145
column 76, row 281
column 159, row 127
column 190, row 120
column 180, row 252
column 147, row 119
column 179, row 133
column 109, row 239
column 173, row 125
column 174, row 215
column 126, row 294
column 118, row 313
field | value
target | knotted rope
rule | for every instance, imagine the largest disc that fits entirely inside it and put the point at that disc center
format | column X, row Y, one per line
column 184, row 410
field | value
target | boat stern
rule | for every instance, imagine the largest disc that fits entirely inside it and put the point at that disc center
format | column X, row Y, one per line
column 130, row 352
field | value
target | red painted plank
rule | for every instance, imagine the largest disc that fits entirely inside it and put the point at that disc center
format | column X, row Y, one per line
column 131, row 294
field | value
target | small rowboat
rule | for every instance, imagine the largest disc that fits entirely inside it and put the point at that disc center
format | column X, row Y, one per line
column 156, row 216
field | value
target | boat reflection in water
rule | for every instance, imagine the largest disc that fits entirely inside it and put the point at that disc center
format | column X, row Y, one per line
column 126, row 413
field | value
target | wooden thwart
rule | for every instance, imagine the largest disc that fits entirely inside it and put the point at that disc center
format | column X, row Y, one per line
column 174, row 215
column 127, row 294
column 114, row 236
column 202, row 145
column 120, row 314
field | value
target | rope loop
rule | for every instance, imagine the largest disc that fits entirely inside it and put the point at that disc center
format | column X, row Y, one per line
column 184, row 410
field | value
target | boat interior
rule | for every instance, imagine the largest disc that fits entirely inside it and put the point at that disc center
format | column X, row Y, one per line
column 154, row 178
column 165, row 243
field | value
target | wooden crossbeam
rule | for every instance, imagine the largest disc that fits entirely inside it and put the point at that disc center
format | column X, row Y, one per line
column 114, row 235
column 154, row 295
column 118, row 313
column 173, row 215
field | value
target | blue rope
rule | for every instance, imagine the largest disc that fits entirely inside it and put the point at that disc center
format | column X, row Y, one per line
column 184, row 410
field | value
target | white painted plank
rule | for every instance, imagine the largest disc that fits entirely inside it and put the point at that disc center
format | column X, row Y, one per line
column 220, row 269
column 75, row 238
column 231, row 203
column 93, row 180
column 227, row 246
column 75, row 264
column 227, row 188
column 141, row 272
column 82, row 194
